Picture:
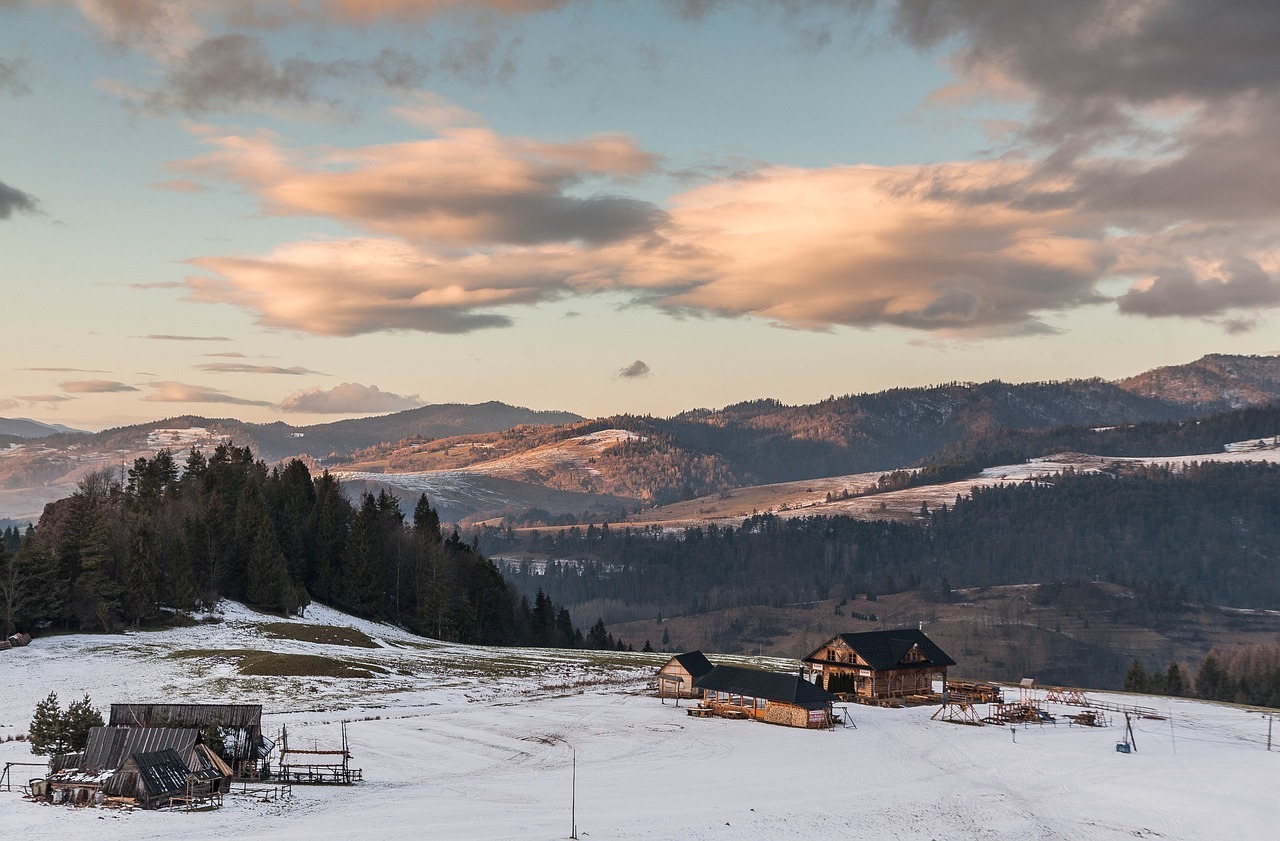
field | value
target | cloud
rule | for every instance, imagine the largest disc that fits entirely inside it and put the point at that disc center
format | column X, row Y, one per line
column 348, row 398
column 13, row 200
column 854, row 246
column 469, row 186
column 67, row 370
column 6, row 405
column 1228, row 285
column 635, row 370
column 1157, row 118
column 166, row 337
column 44, row 398
column 174, row 392
column 13, row 76
column 181, row 185
column 95, row 387
column 239, row 368
column 225, row 72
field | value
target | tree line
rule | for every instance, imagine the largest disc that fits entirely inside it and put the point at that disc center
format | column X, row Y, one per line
column 1243, row 674
column 1209, row 532
column 131, row 549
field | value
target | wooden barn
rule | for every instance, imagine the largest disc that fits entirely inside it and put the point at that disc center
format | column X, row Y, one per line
column 139, row 765
column 677, row 676
column 740, row 692
column 232, row 731
column 879, row 666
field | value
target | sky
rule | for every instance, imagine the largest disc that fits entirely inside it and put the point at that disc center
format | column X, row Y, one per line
column 314, row 209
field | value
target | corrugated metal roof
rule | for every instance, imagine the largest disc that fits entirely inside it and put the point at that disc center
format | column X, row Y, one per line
column 161, row 772
column 108, row 747
column 771, row 686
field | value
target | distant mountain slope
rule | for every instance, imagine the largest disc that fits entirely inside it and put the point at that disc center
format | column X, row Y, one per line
column 1216, row 381
column 27, row 428
column 436, row 421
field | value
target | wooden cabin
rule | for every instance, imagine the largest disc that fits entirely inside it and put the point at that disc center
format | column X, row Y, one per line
column 878, row 666
column 740, row 692
column 232, row 731
column 677, row 676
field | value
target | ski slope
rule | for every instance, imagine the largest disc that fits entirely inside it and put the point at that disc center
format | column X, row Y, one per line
column 474, row 743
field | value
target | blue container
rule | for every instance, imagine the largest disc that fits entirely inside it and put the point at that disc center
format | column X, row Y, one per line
column 1122, row 747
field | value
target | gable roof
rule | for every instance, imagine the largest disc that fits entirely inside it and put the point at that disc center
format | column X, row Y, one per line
column 161, row 772
column 694, row 662
column 108, row 747
column 248, row 716
column 885, row 649
column 771, row 686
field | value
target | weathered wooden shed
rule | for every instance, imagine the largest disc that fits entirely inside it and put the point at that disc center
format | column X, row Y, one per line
column 741, row 692
column 677, row 676
column 133, row 763
column 232, row 731
column 159, row 778
column 879, row 666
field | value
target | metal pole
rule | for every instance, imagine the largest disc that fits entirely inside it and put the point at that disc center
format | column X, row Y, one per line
column 1270, row 720
column 573, row 797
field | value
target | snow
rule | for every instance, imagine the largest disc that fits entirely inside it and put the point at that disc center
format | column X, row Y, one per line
column 461, row 742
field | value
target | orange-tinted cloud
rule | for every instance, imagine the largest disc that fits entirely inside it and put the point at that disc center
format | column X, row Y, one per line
column 856, row 246
column 174, row 392
column 467, row 187
column 95, row 387
column 348, row 398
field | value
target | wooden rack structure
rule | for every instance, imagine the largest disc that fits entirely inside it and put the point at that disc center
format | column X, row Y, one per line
column 317, row 767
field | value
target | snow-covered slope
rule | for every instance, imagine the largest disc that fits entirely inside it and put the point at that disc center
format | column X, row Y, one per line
column 459, row 742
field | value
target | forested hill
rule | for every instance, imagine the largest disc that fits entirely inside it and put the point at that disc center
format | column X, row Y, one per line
column 1210, row 533
column 170, row 538
column 1166, row 438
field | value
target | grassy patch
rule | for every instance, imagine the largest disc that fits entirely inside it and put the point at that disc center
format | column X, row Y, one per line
column 272, row 664
column 323, row 634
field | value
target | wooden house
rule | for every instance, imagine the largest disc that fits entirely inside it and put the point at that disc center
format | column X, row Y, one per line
column 740, row 692
column 677, row 676
column 878, row 666
column 232, row 731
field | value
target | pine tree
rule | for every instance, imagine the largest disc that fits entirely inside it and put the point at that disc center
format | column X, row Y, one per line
column 77, row 721
column 46, row 733
column 1136, row 679
column 648, row 647
column 1212, row 681
column 1175, row 680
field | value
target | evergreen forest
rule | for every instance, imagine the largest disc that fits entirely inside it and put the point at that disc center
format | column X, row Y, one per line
column 134, row 549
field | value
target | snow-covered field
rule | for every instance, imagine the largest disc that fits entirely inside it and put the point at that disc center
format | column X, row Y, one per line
column 459, row 743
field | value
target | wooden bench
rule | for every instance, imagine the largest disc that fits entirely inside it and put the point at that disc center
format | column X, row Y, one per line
column 700, row 712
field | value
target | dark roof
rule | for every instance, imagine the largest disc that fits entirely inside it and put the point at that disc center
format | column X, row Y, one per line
column 771, row 686
column 186, row 715
column 885, row 649
column 161, row 772
column 694, row 662
column 108, row 747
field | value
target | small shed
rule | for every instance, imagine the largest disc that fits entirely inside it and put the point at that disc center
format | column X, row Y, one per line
column 154, row 779
column 741, row 692
column 678, row 675
column 878, row 666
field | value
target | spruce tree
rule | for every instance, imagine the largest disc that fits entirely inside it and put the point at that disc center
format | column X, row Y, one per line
column 1136, row 679
column 77, row 721
column 46, row 734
